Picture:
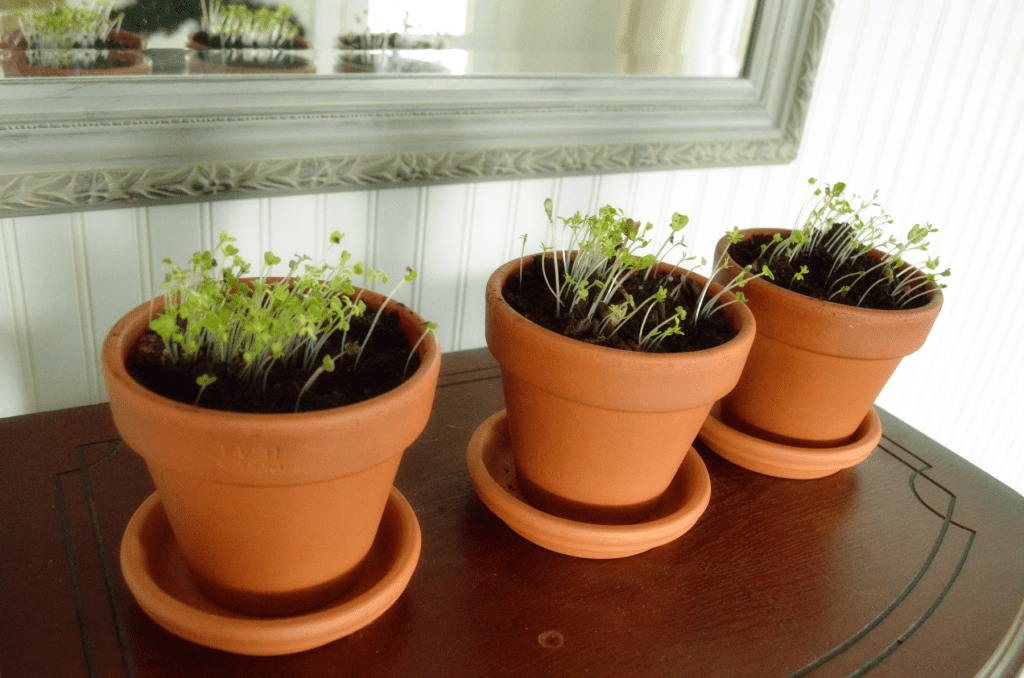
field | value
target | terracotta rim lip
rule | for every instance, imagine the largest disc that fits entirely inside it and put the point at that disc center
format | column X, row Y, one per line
column 604, row 354
column 235, row 632
column 739, row 447
column 430, row 363
column 599, row 541
column 830, row 308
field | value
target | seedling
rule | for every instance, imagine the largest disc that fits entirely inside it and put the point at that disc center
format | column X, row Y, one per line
column 210, row 314
column 261, row 35
column 607, row 254
column 68, row 37
column 845, row 233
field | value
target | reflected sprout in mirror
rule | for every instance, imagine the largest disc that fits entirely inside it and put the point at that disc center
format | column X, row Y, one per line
column 698, row 38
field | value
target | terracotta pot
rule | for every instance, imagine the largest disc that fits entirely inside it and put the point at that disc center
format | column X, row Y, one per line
column 199, row 65
column 597, row 433
column 274, row 513
column 15, row 61
column 816, row 367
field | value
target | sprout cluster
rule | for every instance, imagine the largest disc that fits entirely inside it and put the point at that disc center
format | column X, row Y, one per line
column 845, row 233
column 237, row 26
column 607, row 254
column 252, row 325
column 64, row 36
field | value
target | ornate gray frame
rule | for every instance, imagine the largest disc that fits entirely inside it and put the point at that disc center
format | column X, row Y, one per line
column 68, row 144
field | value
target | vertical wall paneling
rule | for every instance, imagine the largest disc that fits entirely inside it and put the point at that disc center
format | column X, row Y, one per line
column 416, row 293
column 112, row 277
column 350, row 214
column 240, row 219
column 395, row 238
column 971, row 194
column 18, row 390
column 53, row 318
column 175, row 234
column 465, row 242
column 83, row 295
column 292, row 229
column 530, row 219
column 490, row 214
column 143, row 254
column 443, row 257
column 617, row 190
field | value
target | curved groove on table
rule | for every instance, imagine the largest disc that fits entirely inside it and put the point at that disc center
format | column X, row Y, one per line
column 1007, row 653
column 69, row 552
column 947, row 521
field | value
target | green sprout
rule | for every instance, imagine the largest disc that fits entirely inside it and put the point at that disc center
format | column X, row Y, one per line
column 65, row 37
column 262, row 35
column 607, row 253
column 251, row 326
column 845, row 232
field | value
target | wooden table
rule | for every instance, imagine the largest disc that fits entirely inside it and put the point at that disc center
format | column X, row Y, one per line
column 911, row 564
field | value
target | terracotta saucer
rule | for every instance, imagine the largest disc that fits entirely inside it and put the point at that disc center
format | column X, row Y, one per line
column 788, row 461
column 158, row 578
column 493, row 473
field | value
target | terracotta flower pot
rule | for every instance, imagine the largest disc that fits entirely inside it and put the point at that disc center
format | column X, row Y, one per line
column 15, row 61
column 816, row 367
column 274, row 513
column 199, row 65
column 597, row 433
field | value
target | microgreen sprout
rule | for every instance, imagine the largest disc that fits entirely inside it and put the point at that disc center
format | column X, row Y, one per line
column 606, row 253
column 203, row 381
column 64, row 36
column 261, row 35
column 844, row 230
column 251, row 326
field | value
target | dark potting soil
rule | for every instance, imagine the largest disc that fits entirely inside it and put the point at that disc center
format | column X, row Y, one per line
column 285, row 58
column 380, row 370
column 533, row 300
column 816, row 281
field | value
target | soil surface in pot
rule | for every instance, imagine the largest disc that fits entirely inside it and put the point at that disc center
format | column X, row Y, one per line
column 816, row 281
column 380, row 370
column 283, row 59
column 533, row 300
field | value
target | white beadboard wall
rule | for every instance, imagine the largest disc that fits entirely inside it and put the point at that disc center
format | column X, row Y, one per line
column 922, row 99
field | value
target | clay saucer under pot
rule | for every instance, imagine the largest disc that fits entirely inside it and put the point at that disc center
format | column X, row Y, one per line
column 789, row 461
column 158, row 577
column 492, row 470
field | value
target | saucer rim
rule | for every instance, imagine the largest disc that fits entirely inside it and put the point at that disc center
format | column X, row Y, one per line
column 266, row 636
column 579, row 539
column 788, row 461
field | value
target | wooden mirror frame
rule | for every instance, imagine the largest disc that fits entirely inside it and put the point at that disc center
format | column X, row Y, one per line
column 70, row 144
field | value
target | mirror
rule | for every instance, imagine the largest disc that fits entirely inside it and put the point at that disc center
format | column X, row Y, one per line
column 521, row 110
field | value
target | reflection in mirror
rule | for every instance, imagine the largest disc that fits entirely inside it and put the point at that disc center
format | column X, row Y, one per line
column 703, row 38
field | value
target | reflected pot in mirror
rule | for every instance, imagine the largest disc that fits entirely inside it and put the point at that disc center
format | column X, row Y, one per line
column 598, row 433
column 207, row 57
column 816, row 367
column 122, row 56
column 273, row 513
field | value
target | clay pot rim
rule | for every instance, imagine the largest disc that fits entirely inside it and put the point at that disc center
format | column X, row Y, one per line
column 737, row 313
column 831, row 309
column 429, row 351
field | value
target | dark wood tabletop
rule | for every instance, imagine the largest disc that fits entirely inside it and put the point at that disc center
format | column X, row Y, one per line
column 910, row 564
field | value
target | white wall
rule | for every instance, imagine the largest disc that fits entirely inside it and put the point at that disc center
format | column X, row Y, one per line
column 922, row 99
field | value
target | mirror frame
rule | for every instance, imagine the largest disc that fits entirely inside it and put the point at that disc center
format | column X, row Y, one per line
column 71, row 144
